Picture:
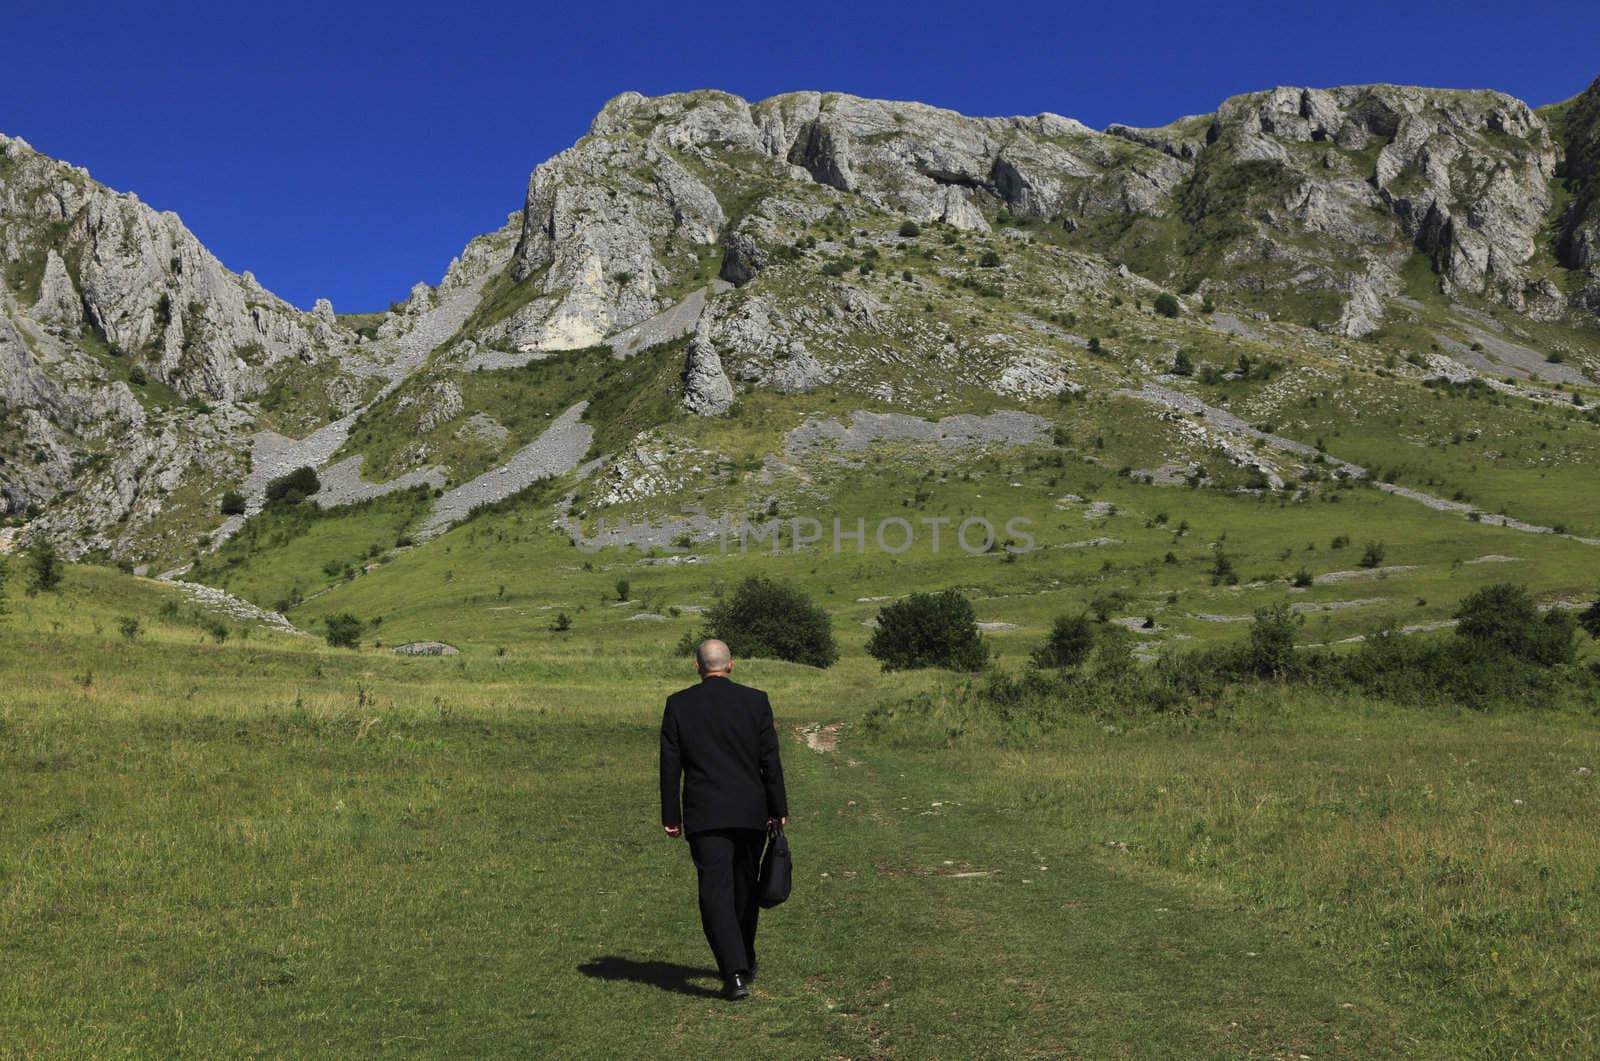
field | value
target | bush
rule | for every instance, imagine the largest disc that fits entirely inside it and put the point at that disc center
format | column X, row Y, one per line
column 990, row 260
column 5, row 575
column 343, row 630
column 770, row 620
column 562, row 623
column 44, row 566
column 1070, row 641
column 1503, row 618
column 1183, row 364
column 928, row 630
column 1271, row 644
column 1113, row 655
column 1373, row 555
column 232, row 503
column 293, row 488
column 910, row 229
column 1166, row 305
column 1589, row 619
column 1222, row 572
column 129, row 627
column 624, row 587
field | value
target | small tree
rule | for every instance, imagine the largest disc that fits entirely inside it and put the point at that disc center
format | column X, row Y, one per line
column 1503, row 617
column 1070, row 641
column 624, row 587
column 767, row 619
column 1589, row 619
column 1183, row 364
column 1373, row 555
column 129, row 627
column 910, row 229
column 562, row 623
column 343, row 630
column 293, row 488
column 1271, row 646
column 1167, row 305
column 232, row 503
column 1222, row 571
column 929, row 630
column 990, row 260
column 44, row 566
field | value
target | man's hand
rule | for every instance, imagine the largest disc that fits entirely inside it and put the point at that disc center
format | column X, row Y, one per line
column 673, row 831
column 783, row 821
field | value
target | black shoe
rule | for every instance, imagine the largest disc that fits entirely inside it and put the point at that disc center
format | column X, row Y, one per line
column 751, row 978
column 736, row 987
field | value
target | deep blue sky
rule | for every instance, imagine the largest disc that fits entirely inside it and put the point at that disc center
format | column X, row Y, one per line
column 349, row 152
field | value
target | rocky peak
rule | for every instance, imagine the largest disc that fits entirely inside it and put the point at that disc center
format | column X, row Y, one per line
column 85, row 259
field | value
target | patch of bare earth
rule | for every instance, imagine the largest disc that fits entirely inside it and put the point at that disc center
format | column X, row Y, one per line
column 820, row 737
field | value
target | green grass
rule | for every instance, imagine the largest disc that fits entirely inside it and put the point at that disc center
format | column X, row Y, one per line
column 297, row 398
column 270, row 847
column 284, row 554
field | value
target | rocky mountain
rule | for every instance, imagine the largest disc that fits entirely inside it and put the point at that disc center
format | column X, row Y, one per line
column 697, row 255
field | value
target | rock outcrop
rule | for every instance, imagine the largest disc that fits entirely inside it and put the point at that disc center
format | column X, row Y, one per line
column 139, row 378
column 141, row 283
column 1579, row 245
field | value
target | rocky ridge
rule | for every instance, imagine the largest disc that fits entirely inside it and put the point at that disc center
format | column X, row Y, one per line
column 138, row 376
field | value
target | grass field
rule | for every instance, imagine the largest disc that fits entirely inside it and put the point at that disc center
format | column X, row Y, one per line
column 266, row 847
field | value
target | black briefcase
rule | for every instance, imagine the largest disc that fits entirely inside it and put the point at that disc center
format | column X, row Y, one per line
column 777, row 870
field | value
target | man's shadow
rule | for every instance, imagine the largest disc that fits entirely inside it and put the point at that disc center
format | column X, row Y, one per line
column 668, row 976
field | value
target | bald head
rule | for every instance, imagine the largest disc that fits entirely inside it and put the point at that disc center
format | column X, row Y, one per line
column 713, row 657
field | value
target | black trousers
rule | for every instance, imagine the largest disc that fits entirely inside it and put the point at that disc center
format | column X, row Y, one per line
column 728, row 862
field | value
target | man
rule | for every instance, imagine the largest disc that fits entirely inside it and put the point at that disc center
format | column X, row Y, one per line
column 718, row 739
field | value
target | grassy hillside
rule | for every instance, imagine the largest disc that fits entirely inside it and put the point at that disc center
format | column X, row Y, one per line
column 266, row 846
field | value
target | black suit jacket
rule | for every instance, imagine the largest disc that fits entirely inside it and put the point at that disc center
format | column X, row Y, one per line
column 718, row 739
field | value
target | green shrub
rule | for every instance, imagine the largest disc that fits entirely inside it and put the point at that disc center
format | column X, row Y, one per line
column 1222, row 572
column 44, row 566
column 1503, row 618
column 1167, row 305
column 129, row 627
column 1271, row 644
column 5, row 576
column 624, row 587
column 293, row 488
column 562, row 623
column 232, row 503
column 1069, row 644
column 771, row 620
column 1183, row 364
column 1372, row 556
column 990, row 260
column 928, row 630
column 343, row 630
column 910, row 229
column 1589, row 619
column 1113, row 655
